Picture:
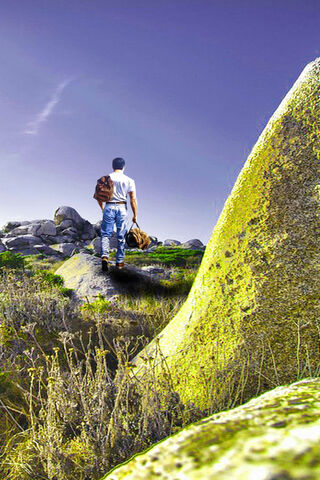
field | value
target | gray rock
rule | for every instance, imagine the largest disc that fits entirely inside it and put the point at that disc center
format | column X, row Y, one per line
column 88, row 232
column 97, row 227
column 150, row 249
column 70, row 232
column 171, row 243
column 84, row 237
column 36, row 228
column 48, row 251
column 96, row 245
column 9, row 226
column 21, row 241
column 194, row 244
column 65, row 224
column 154, row 241
column 66, row 249
column 82, row 272
column 60, row 239
column 2, row 247
column 114, row 240
column 25, row 250
column 48, row 227
column 21, row 230
column 84, row 243
column 152, row 270
column 68, row 213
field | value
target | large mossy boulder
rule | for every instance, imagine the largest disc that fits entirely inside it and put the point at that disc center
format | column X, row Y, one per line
column 274, row 436
column 252, row 318
column 82, row 273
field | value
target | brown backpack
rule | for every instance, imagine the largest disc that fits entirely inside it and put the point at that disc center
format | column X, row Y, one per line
column 137, row 238
column 104, row 189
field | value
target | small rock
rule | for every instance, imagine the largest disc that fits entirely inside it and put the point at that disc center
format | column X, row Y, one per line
column 68, row 213
column 171, row 243
column 45, row 250
column 21, row 241
column 150, row 249
column 154, row 241
column 88, row 232
column 70, row 232
column 60, row 239
column 97, row 227
column 67, row 249
column 9, row 226
column 21, row 230
column 194, row 244
column 152, row 270
column 65, row 224
column 25, row 250
column 47, row 228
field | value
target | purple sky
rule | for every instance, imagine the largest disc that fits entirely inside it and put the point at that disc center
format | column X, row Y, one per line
column 180, row 88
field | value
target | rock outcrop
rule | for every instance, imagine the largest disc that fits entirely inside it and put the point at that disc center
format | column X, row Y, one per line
column 66, row 230
column 169, row 242
column 274, row 436
column 82, row 272
column 194, row 244
column 251, row 320
column 70, row 215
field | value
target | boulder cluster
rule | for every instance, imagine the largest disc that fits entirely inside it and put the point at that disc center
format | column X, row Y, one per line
column 68, row 233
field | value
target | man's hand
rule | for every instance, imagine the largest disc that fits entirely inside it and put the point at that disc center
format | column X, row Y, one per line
column 134, row 219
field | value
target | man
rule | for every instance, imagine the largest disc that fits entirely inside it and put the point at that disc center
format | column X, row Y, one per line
column 115, row 212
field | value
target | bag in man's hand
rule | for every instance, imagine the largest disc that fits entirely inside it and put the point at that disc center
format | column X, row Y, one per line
column 104, row 189
column 136, row 238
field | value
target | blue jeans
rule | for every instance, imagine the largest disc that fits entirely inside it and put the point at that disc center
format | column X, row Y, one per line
column 114, row 214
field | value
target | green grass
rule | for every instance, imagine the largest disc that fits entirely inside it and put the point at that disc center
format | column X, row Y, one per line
column 167, row 256
column 11, row 260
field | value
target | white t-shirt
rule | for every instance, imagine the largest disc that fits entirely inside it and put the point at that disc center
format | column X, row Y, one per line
column 122, row 185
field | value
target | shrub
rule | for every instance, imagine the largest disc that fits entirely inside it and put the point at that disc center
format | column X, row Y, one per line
column 84, row 411
column 84, row 420
column 11, row 260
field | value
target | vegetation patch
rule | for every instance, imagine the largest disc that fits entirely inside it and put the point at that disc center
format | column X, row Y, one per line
column 72, row 407
column 11, row 260
column 170, row 256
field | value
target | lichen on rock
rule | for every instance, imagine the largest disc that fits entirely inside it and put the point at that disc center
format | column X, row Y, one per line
column 251, row 321
column 274, row 436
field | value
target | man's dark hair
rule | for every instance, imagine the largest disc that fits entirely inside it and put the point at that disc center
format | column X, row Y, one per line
column 118, row 163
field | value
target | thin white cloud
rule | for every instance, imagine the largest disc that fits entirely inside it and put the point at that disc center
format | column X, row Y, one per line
column 33, row 127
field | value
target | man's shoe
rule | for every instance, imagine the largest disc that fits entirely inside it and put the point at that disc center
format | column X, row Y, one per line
column 120, row 265
column 104, row 264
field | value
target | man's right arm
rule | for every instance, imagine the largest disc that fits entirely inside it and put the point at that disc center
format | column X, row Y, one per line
column 134, row 206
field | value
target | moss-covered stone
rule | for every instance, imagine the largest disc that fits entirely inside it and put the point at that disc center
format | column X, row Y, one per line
column 274, row 436
column 82, row 273
column 252, row 318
